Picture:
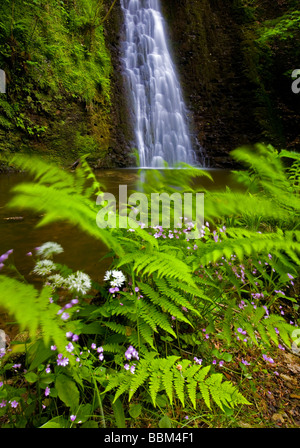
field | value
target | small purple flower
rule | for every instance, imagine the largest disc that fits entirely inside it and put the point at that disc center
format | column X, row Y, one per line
column 3, row 403
column 267, row 358
column 13, row 403
column 69, row 334
column 3, row 258
column 61, row 361
column 101, row 357
column 16, row 366
column 70, row 347
column 93, row 346
column 131, row 353
column 126, row 366
column 132, row 368
column 48, row 370
column 246, row 363
column 198, row 361
column 75, row 337
column 53, row 347
column 73, row 418
column 266, row 309
column 65, row 316
column 47, row 391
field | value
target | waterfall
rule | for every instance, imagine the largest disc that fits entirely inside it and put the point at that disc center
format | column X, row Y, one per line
column 160, row 122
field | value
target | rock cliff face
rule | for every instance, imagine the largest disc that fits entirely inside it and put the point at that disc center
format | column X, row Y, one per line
column 230, row 99
column 206, row 45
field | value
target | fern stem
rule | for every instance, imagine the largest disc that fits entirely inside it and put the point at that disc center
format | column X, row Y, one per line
column 177, row 334
column 100, row 403
column 137, row 310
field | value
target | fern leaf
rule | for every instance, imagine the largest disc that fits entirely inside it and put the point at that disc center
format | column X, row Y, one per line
column 179, row 384
column 155, row 381
column 33, row 310
column 139, row 378
column 192, row 388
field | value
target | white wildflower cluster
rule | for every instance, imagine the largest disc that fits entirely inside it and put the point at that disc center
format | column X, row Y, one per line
column 116, row 278
column 57, row 281
column 48, row 249
column 79, row 282
column 44, row 267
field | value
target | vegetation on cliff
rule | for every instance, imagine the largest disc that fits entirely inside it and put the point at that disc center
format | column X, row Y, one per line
column 58, row 78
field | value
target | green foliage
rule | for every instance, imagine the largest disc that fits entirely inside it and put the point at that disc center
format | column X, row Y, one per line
column 180, row 381
column 282, row 28
column 176, row 299
column 58, row 70
column 65, row 42
column 32, row 310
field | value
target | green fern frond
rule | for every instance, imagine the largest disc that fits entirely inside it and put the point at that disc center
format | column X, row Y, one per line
column 117, row 328
column 162, row 264
column 154, row 317
column 179, row 385
column 33, row 311
column 163, row 302
column 180, row 380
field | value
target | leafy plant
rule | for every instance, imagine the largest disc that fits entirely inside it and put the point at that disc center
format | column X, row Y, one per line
column 166, row 300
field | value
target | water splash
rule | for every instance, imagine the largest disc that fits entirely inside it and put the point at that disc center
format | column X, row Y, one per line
column 160, row 122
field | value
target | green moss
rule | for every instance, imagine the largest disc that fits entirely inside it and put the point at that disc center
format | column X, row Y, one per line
column 58, row 72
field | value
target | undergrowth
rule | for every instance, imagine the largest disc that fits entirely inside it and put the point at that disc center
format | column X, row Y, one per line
column 159, row 335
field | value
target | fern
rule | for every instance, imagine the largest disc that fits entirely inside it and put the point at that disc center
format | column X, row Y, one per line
column 160, row 263
column 33, row 311
column 258, row 325
column 164, row 303
column 182, row 381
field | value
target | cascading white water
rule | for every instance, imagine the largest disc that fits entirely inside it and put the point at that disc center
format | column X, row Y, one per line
column 161, row 129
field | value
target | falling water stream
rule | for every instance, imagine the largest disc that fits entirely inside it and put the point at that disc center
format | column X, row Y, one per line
column 160, row 122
